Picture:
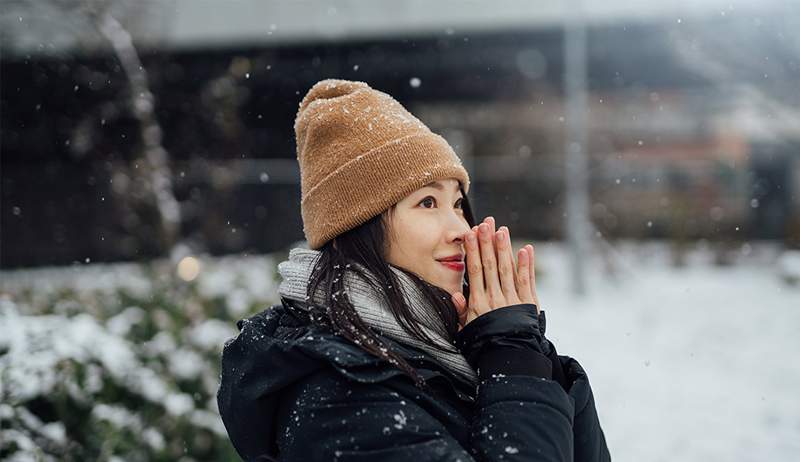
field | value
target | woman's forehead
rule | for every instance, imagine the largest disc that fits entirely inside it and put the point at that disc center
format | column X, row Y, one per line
column 442, row 185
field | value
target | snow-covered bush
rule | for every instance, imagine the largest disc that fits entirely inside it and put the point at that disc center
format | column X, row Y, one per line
column 120, row 362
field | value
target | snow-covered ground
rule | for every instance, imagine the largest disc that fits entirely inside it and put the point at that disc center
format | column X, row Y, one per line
column 687, row 364
column 694, row 363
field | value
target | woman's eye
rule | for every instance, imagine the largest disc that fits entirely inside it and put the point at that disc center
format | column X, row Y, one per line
column 428, row 199
column 432, row 200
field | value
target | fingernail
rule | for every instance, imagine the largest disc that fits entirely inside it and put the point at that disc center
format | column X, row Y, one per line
column 484, row 228
column 471, row 236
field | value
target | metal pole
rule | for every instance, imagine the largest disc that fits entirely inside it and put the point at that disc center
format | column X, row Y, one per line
column 577, row 207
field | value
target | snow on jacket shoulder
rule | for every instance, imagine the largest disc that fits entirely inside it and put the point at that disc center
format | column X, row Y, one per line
column 293, row 391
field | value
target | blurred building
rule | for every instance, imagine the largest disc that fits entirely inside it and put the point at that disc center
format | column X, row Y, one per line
column 694, row 116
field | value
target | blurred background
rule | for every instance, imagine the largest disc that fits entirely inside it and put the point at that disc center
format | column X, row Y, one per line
column 650, row 151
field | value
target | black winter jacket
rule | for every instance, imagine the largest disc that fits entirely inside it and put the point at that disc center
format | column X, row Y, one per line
column 293, row 391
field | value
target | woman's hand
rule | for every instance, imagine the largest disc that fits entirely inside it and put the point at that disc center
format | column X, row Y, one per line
column 495, row 280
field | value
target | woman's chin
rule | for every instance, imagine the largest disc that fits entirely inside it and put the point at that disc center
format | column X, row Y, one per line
column 446, row 279
column 450, row 281
column 448, row 286
column 452, row 288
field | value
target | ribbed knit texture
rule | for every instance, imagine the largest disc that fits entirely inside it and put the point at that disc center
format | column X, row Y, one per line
column 373, row 309
column 360, row 152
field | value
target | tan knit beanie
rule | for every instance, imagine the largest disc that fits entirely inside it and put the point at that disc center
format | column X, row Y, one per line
column 360, row 152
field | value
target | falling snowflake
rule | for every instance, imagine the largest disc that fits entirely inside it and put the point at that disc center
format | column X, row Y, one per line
column 401, row 420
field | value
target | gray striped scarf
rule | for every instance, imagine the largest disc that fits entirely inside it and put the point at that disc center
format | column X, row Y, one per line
column 374, row 310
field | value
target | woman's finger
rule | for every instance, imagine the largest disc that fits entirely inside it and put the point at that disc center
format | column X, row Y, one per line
column 505, row 265
column 532, row 258
column 489, row 264
column 461, row 308
column 474, row 270
column 524, row 277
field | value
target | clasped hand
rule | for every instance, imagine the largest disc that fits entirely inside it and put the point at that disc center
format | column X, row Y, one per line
column 495, row 279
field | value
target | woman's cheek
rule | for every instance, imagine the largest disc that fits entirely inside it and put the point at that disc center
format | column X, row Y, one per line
column 423, row 233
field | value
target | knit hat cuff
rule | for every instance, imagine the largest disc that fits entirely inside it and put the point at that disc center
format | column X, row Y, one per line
column 392, row 171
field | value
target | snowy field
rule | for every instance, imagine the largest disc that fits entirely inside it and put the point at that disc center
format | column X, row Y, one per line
column 687, row 364
column 694, row 363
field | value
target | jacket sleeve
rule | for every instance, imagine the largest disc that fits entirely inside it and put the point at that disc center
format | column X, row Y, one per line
column 513, row 338
column 517, row 398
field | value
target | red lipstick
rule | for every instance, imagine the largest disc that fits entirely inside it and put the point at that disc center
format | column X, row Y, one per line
column 454, row 262
column 453, row 265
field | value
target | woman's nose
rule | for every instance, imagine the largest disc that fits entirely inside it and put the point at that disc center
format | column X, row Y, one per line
column 457, row 228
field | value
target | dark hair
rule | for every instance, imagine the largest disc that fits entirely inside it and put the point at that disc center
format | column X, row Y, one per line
column 366, row 245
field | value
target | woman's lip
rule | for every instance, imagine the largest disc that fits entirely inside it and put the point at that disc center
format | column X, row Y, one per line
column 453, row 265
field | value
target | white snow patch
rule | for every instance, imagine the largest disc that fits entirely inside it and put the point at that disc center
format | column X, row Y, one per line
column 720, row 342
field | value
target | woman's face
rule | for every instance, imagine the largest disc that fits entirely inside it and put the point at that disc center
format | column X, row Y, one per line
column 427, row 226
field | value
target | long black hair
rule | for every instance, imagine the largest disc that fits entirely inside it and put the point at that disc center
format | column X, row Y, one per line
column 367, row 245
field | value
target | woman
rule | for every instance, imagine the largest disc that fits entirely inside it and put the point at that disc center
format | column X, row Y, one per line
column 385, row 347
